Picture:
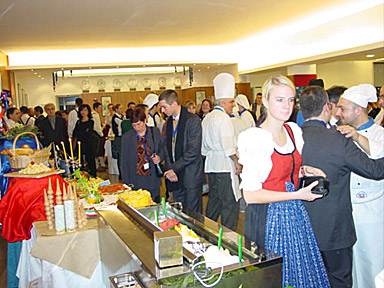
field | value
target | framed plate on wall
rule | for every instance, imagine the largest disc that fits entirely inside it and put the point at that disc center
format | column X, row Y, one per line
column 105, row 101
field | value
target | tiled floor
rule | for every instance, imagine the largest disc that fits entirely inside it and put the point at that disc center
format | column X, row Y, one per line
column 113, row 179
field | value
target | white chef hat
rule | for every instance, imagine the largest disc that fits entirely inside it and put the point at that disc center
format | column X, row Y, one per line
column 361, row 94
column 224, row 85
column 242, row 100
column 151, row 100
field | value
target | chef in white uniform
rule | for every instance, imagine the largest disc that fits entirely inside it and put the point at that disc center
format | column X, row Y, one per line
column 219, row 148
column 244, row 113
column 151, row 100
column 366, row 195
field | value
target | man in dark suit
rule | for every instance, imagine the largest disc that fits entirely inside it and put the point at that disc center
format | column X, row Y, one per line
column 183, row 160
column 52, row 128
column 337, row 156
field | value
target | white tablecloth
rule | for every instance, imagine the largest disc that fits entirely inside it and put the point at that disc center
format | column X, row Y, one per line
column 112, row 163
column 31, row 268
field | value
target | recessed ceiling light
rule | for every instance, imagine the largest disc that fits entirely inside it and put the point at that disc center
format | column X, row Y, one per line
column 194, row 64
column 370, row 55
column 35, row 73
column 32, row 70
column 199, row 70
column 208, row 67
column 39, row 76
column 42, row 78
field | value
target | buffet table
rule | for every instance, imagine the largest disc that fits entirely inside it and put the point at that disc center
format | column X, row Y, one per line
column 67, row 260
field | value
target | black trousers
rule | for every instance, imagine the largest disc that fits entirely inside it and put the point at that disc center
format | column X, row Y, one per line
column 339, row 267
column 221, row 201
column 191, row 198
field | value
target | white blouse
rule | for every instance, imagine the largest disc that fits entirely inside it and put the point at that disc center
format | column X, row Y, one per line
column 255, row 147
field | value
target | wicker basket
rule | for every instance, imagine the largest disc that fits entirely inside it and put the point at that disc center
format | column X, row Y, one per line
column 21, row 161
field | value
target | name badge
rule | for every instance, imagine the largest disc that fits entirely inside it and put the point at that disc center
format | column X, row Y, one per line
column 146, row 166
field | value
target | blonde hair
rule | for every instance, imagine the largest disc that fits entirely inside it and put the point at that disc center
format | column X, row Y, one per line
column 274, row 81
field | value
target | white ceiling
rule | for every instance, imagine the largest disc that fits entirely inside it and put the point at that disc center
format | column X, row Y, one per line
column 27, row 25
column 32, row 25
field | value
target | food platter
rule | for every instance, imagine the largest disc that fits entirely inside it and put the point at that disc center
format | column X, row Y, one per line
column 40, row 175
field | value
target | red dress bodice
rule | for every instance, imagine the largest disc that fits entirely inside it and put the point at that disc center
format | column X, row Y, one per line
column 282, row 167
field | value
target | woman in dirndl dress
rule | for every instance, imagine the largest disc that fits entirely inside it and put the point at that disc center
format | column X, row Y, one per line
column 275, row 219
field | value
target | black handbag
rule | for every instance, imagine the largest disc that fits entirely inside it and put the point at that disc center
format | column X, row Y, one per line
column 158, row 169
column 322, row 188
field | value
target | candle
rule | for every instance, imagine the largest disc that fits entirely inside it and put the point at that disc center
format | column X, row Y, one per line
column 79, row 144
column 65, row 153
column 164, row 207
column 70, row 146
column 157, row 218
column 240, row 244
column 220, row 237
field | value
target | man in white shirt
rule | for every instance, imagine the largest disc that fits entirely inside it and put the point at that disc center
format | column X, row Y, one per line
column 97, row 108
column 73, row 117
column 25, row 119
column 244, row 113
column 13, row 117
column 367, row 195
column 219, row 148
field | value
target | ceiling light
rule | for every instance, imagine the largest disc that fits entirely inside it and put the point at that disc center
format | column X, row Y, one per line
column 39, row 76
column 35, row 73
column 208, row 67
column 42, row 78
column 370, row 55
column 32, row 70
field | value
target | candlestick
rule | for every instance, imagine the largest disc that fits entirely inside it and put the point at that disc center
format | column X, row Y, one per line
column 59, row 219
column 65, row 152
column 79, row 143
column 71, row 148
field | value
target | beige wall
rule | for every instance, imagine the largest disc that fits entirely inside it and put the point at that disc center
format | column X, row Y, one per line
column 346, row 73
column 41, row 92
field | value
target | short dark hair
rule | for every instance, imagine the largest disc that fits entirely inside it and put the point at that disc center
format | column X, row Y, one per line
column 38, row 109
column 81, row 108
column 128, row 113
column 335, row 92
column 79, row 101
column 96, row 105
column 10, row 111
column 59, row 114
column 24, row 109
column 312, row 101
column 169, row 96
column 131, row 103
column 66, row 112
column 137, row 115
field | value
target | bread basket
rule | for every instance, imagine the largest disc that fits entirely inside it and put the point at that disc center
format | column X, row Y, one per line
column 21, row 161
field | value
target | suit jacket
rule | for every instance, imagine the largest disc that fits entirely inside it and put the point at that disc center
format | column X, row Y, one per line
column 188, row 164
column 337, row 156
column 129, row 159
column 49, row 134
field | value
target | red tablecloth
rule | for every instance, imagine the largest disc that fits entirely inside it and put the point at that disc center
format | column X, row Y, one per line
column 23, row 204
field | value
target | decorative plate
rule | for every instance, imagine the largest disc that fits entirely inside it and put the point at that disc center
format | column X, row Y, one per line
column 177, row 81
column 147, row 83
column 116, row 83
column 85, row 84
column 132, row 82
column 100, row 83
column 162, row 82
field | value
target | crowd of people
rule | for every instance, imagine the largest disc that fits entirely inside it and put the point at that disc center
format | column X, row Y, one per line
column 254, row 155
